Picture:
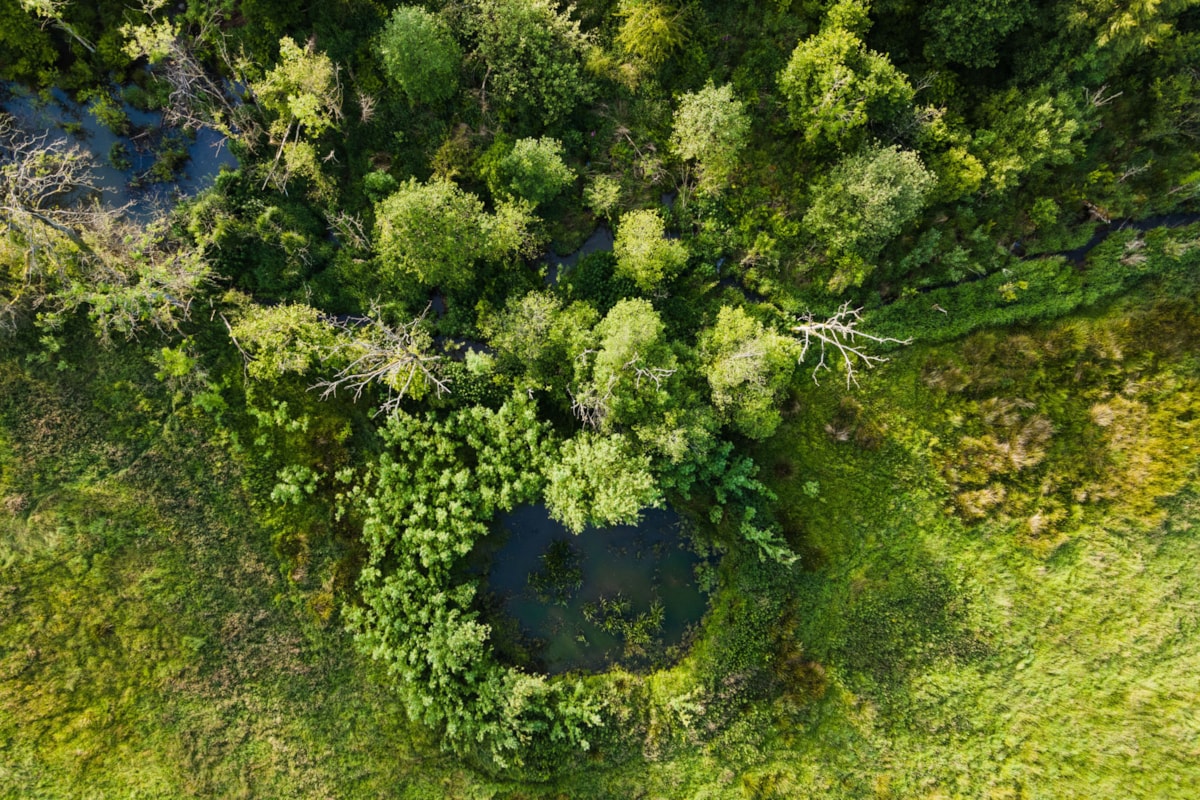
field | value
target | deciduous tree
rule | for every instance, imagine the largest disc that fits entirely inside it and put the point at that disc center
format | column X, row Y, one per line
column 644, row 254
column 626, row 378
column 748, row 368
column 863, row 204
column 533, row 170
column 834, row 86
column 304, row 94
column 435, row 233
column 711, row 128
column 534, row 59
column 599, row 480
column 419, row 54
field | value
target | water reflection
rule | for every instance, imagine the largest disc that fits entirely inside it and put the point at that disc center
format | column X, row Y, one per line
column 124, row 163
column 625, row 594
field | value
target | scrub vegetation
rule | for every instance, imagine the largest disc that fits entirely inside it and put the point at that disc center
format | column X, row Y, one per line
column 895, row 304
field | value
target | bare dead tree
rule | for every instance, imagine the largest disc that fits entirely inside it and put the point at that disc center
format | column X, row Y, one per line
column 655, row 374
column 39, row 174
column 649, row 164
column 591, row 404
column 198, row 98
column 349, row 228
column 1098, row 97
column 1132, row 171
column 366, row 106
column 79, row 252
column 391, row 356
column 840, row 336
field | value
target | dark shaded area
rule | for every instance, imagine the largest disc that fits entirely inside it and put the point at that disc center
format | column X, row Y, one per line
column 633, row 599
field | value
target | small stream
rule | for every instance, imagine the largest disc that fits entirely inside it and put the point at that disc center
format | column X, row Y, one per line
column 1078, row 255
column 600, row 240
column 618, row 595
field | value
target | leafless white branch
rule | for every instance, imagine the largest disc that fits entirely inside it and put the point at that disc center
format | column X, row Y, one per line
column 378, row 353
column 656, row 374
column 839, row 335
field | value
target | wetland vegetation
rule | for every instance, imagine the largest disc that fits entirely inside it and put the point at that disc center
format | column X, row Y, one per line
column 633, row 398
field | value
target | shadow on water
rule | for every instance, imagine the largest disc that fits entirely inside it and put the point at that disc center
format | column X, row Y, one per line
column 600, row 240
column 140, row 148
column 623, row 595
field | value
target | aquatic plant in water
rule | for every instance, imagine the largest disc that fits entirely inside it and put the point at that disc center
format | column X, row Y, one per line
column 560, row 575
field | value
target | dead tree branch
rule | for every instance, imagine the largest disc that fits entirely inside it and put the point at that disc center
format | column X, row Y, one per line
column 591, row 405
column 378, row 353
column 198, row 98
column 840, row 336
column 656, row 374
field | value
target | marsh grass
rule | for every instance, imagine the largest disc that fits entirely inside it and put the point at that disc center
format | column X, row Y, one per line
column 167, row 635
column 150, row 648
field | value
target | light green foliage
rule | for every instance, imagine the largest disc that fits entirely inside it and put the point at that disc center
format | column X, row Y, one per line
column 510, row 231
column 423, row 513
column 533, row 170
column 535, row 56
column 945, row 142
column 711, row 127
column 1120, row 29
column 834, row 85
column 626, row 376
column 599, row 480
column 303, row 94
column 420, row 55
column 974, row 575
column 282, row 339
column 300, row 160
column 302, row 90
column 651, row 30
column 1028, row 130
column 537, row 335
column 850, row 15
column 107, row 111
column 378, row 184
column 865, row 202
column 435, row 233
column 603, row 195
column 644, row 254
column 748, row 369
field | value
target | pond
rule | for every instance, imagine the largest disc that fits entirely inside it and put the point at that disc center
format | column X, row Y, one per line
column 147, row 166
column 625, row 594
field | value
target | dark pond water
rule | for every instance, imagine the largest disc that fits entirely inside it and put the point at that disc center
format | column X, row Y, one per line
column 625, row 594
column 63, row 118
